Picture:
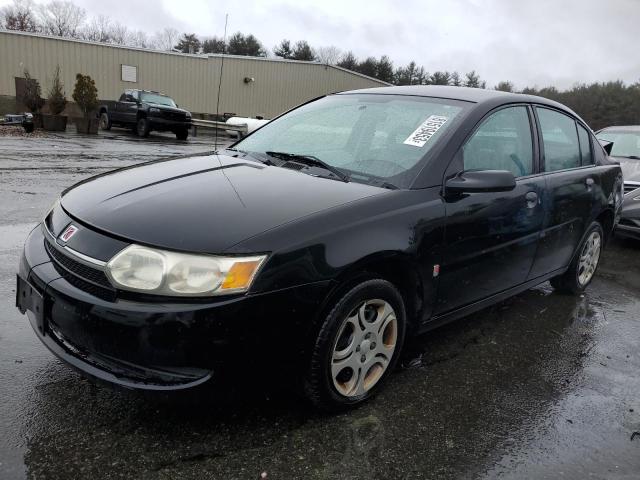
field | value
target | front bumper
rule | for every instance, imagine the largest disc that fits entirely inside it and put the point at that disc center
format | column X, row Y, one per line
column 160, row 345
column 629, row 224
column 163, row 124
column 628, row 228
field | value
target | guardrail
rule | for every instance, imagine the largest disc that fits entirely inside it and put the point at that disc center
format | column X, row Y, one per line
column 196, row 123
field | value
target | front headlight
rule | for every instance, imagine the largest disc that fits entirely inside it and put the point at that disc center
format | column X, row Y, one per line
column 154, row 110
column 144, row 269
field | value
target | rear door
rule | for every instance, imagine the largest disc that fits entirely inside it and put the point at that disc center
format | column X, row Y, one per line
column 491, row 238
column 567, row 155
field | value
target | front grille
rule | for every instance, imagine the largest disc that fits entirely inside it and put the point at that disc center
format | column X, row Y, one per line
column 630, row 187
column 180, row 117
column 86, row 273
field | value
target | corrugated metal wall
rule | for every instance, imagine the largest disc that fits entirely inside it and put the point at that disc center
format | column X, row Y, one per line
column 191, row 80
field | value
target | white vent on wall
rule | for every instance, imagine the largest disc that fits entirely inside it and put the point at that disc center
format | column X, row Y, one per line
column 129, row 73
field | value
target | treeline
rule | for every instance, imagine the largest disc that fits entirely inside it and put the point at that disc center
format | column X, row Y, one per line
column 600, row 104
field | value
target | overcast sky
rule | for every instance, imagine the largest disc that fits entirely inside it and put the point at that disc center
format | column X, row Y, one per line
column 533, row 42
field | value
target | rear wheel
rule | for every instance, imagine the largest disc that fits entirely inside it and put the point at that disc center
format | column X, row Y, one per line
column 584, row 265
column 142, row 127
column 358, row 345
column 105, row 121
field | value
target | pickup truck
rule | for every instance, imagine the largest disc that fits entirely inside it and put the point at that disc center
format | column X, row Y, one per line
column 144, row 111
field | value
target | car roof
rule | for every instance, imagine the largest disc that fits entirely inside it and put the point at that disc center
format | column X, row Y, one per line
column 622, row 128
column 467, row 94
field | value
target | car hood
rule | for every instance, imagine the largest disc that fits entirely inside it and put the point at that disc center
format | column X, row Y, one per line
column 630, row 168
column 204, row 203
column 167, row 108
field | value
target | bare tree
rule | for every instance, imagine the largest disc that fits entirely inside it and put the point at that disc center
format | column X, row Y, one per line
column 139, row 38
column 166, row 39
column 329, row 55
column 119, row 34
column 61, row 18
column 98, row 29
column 19, row 16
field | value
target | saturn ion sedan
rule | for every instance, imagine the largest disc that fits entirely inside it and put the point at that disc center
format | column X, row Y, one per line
column 322, row 241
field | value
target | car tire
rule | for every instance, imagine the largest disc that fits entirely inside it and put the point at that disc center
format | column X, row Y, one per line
column 584, row 264
column 182, row 134
column 143, row 127
column 358, row 345
column 105, row 121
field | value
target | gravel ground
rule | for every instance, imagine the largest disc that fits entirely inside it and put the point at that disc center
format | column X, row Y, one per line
column 540, row 386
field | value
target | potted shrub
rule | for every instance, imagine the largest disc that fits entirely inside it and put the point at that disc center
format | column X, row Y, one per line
column 85, row 95
column 33, row 98
column 57, row 101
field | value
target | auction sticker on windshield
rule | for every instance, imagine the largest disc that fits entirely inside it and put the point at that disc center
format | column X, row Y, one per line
column 426, row 130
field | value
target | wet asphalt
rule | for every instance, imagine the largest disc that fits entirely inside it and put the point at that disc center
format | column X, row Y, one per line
column 540, row 386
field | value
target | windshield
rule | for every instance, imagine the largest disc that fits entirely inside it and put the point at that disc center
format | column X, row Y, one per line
column 158, row 99
column 625, row 143
column 363, row 135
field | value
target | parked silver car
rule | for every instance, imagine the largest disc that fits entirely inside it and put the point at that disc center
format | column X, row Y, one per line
column 626, row 150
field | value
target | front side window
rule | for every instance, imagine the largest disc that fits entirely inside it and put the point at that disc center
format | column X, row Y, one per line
column 502, row 142
column 363, row 135
column 560, row 140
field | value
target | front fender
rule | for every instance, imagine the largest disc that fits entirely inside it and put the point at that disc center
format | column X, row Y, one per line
column 403, row 227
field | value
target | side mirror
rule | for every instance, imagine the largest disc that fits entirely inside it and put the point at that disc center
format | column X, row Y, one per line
column 481, row 181
column 607, row 145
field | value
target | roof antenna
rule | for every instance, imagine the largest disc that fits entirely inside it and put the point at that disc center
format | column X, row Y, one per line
column 224, row 47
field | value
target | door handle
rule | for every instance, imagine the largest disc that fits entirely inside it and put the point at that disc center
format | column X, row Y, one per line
column 532, row 199
column 589, row 183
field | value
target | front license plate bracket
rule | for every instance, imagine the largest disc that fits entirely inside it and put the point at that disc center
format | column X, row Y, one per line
column 29, row 299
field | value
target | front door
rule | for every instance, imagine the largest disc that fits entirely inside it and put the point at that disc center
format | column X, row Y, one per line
column 491, row 238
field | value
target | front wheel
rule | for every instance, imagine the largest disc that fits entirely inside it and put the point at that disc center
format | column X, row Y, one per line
column 358, row 345
column 583, row 267
column 142, row 127
column 105, row 121
column 182, row 134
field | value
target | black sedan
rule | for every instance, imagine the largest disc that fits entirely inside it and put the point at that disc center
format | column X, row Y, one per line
column 625, row 149
column 322, row 241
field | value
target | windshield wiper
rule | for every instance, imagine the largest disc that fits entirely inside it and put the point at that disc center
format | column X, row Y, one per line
column 633, row 157
column 310, row 161
column 253, row 155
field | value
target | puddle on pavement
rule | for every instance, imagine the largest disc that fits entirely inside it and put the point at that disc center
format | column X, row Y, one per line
column 485, row 387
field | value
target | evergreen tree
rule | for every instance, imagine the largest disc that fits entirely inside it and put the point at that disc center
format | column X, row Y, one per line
column 189, row 43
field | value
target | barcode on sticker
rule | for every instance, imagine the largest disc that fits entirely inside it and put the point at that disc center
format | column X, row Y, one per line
column 426, row 130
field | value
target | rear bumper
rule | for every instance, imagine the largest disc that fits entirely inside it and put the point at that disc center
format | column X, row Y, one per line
column 162, row 346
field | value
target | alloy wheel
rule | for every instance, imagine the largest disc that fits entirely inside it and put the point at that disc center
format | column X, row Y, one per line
column 589, row 257
column 364, row 347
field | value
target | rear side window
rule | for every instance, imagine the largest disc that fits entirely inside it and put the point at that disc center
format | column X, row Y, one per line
column 585, row 145
column 560, row 140
column 502, row 142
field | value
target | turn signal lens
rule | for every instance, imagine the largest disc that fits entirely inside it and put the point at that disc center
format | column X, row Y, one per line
column 240, row 275
column 161, row 272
